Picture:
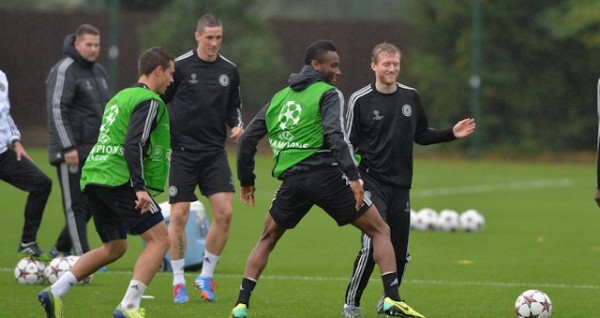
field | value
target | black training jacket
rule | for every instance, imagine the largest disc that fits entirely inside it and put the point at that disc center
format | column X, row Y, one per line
column 76, row 93
column 203, row 100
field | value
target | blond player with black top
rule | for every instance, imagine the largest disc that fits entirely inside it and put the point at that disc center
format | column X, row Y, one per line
column 384, row 119
column 204, row 101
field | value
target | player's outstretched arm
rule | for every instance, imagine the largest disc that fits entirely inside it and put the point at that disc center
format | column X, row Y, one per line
column 464, row 128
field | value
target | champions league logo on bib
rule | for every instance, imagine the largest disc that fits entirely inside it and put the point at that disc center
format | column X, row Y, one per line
column 223, row 80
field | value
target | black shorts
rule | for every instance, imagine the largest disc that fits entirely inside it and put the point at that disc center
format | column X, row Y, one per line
column 391, row 202
column 327, row 188
column 115, row 214
column 209, row 171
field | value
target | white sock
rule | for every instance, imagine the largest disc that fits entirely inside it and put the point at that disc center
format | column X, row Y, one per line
column 63, row 284
column 133, row 296
column 209, row 263
column 177, row 266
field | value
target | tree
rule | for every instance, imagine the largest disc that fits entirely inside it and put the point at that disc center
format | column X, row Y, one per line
column 537, row 91
column 247, row 42
column 578, row 19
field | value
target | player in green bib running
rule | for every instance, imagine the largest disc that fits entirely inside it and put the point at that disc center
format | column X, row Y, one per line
column 127, row 166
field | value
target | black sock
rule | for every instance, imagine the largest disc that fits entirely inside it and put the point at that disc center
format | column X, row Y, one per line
column 390, row 285
column 246, row 291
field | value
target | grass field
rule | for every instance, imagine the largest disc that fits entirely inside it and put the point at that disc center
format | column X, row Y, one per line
column 541, row 232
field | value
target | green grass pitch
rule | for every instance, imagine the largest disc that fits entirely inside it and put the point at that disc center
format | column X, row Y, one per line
column 541, row 232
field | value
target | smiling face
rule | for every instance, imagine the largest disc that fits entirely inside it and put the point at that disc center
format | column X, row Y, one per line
column 329, row 65
column 88, row 46
column 209, row 42
column 386, row 67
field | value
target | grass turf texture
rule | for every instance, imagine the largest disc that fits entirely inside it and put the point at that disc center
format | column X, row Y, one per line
column 541, row 232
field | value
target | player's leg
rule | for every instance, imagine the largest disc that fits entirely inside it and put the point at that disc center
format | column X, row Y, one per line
column 113, row 234
column 145, row 268
column 182, row 183
column 153, row 230
column 256, row 263
column 51, row 297
column 364, row 263
column 25, row 176
column 362, row 269
column 373, row 225
column 215, row 183
column 288, row 207
column 398, row 219
column 76, row 210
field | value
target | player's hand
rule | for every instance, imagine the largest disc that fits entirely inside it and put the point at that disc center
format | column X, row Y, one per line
column 20, row 150
column 143, row 202
column 464, row 128
column 247, row 195
column 236, row 133
column 72, row 158
column 597, row 198
column 359, row 193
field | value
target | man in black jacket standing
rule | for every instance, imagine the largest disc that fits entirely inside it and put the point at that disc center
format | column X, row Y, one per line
column 76, row 92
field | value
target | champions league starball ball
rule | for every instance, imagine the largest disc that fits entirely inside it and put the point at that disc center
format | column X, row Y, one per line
column 533, row 304
column 29, row 271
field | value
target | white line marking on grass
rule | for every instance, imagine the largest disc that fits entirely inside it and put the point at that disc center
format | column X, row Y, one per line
column 374, row 280
column 486, row 188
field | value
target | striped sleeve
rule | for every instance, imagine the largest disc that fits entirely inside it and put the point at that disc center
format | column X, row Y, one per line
column 61, row 92
column 141, row 124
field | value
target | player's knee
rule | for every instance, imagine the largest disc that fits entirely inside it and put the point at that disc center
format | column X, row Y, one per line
column 43, row 186
column 165, row 243
column 224, row 216
column 381, row 228
column 179, row 217
column 115, row 251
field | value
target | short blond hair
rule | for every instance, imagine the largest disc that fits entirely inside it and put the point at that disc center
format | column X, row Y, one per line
column 384, row 48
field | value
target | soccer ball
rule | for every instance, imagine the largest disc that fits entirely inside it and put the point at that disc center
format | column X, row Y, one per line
column 29, row 271
column 472, row 221
column 72, row 259
column 426, row 219
column 533, row 303
column 413, row 218
column 447, row 221
column 56, row 268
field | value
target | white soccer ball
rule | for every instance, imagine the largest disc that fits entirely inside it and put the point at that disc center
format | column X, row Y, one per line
column 72, row 259
column 413, row 218
column 29, row 271
column 448, row 221
column 56, row 268
column 533, row 303
column 472, row 221
column 426, row 219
